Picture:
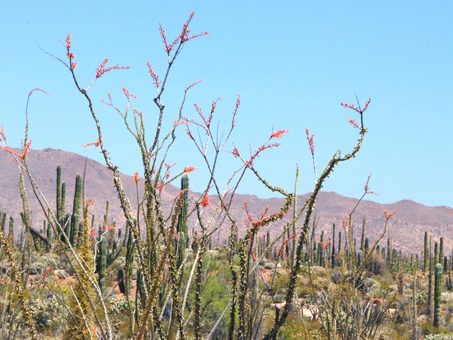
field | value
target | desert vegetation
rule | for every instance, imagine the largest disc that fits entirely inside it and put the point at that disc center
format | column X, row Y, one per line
column 159, row 276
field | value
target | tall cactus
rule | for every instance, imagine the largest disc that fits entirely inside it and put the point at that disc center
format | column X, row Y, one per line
column 63, row 199
column 102, row 263
column 58, row 192
column 425, row 253
column 437, row 293
column 11, row 230
column 441, row 253
column 182, row 219
column 76, row 210
column 332, row 260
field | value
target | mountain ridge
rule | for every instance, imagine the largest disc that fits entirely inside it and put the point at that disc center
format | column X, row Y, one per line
column 407, row 225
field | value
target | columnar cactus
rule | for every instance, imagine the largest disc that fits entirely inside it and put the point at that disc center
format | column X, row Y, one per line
column 63, row 199
column 425, row 253
column 58, row 192
column 121, row 281
column 76, row 210
column 332, row 259
column 102, row 263
column 11, row 230
column 437, row 293
column 359, row 257
column 441, row 252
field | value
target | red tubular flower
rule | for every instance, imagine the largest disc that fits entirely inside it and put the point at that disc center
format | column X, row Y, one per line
column 45, row 274
column 205, row 201
column 136, row 177
column 109, row 227
column 190, row 169
column 96, row 144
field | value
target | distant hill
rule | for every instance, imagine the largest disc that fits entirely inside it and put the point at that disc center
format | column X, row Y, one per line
column 407, row 226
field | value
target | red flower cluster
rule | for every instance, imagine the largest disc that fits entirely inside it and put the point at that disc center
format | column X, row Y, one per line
column 279, row 133
column 387, row 216
column 310, row 140
column 190, row 169
column 127, row 93
column 359, row 109
column 353, row 123
column 153, row 75
column 136, row 177
column 182, row 37
column 11, row 151
column 101, row 70
column 367, row 188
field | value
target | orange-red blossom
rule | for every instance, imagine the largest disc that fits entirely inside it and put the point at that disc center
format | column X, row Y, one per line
column 387, row 216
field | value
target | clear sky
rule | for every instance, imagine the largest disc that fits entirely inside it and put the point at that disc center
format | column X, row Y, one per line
column 292, row 62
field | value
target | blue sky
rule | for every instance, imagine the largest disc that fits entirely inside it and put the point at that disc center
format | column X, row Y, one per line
column 293, row 63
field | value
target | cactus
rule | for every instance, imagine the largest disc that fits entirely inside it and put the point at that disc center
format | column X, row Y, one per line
column 359, row 258
column 65, row 223
column 430, row 282
column 441, row 253
column 76, row 210
column 58, row 192
column 436, row 254
column 437, row 293
column 102, row 263
column 121, row 281
column 332, row 259
column 3, row 221
column 11, row 230
column 425, row 253
column 63, row 199
column 182, row 219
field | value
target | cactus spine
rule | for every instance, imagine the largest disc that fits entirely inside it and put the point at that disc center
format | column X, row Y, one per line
column 437, row 293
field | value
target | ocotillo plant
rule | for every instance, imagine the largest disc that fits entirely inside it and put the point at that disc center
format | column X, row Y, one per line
column 182, row 220
column 437, row 293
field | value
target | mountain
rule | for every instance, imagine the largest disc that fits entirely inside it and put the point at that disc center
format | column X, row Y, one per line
column 407, row 226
